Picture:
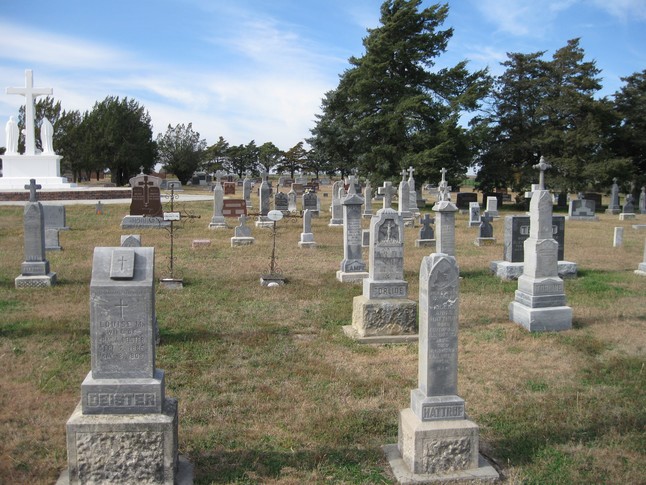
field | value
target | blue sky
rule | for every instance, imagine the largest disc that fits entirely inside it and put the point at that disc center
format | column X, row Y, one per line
column 258, row 69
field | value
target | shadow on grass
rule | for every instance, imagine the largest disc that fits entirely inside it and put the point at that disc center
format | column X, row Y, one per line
column 328, row 465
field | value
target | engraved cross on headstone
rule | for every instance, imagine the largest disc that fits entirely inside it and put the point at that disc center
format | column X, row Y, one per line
column 387, row 191
column 30, row 93
column 542, row 165
column 32, row 187
column 146, row 184
column 121, row 306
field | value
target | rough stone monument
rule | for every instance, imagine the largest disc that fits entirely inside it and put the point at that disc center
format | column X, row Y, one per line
column 613, row 206
column 218, row 221
column 34, row 271
column 436, row 441
column 383, row 313
column 540, row 303
column 426, row 234
column 44, row 165
column 124, row 430
column 353, row 268
column 242, row 233
column 307, row 237
column 445, row 219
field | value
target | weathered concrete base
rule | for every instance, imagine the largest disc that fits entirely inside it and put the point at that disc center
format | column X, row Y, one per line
column 336, row 223
column 264, row 222
column 345, row 277
column 242, row 241
column 272, row 280
column 547, row 319
column 143, row 222
column 437, row 451
column 128, row 448
column 613, row 211
column 384, row 317
column 37, row 281
column 306, row 244
column 485, row 473
column 626, row 216
column 582, row 218
column 351, row 332
column 218, row 224
column 424, row 243
column 485, row 241
column 639, row 227
column 641, row 269
column 171, row 283
column 512, row 271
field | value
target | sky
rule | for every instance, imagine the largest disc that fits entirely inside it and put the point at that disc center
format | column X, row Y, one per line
column 258, row 69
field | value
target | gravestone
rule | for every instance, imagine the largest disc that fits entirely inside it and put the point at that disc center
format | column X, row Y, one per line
column 218, row 220
column 52, row 241
column 540, row 303
column 281, row 202
column 383, row 313
column 516, row 231
column 485, row 232
column 263, row 195
column 34, row 271
column 124, row 430
column 307, row 237
column 145, row 207
column 641, row 268
column 234, row 208
column 497, row 195
column 413, row 193
column 353, row 268
column 291, row 201
column 246, row 189
column 445, row 219
column 436, row 441
column 229, row 188
column 403, row 197
column 426, row 234
column 131, row 241
column 365, row 238
column 367, row 197
column 582, row 210
column 54, row 216
column 310, row 202
column 597, row 198
column 613, row 206
column 618, row 237
column 628, row 210
column 474, row 214
column 642, row 201
column 336, row 209
column 492, row 207
column 298, row 188
column 463, row 201
column 242, row 233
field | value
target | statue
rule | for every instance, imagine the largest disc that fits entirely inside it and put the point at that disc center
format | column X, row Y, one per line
column 11, row 132
column 46, row 136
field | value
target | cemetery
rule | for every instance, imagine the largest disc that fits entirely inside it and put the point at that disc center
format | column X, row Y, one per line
column 264, row 386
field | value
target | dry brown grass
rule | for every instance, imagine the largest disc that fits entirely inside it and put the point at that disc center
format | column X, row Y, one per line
column 271, row 391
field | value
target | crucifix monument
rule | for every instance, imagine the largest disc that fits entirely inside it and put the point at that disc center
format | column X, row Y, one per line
column 43, row 165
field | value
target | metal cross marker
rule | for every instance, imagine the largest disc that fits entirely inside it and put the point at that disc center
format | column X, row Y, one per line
column 30, row 93
column 121, row 305
column 32, row 187
column 387, row 191
column 542, row 165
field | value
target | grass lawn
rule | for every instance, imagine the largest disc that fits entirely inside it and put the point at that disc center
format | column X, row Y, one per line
column 271, row 391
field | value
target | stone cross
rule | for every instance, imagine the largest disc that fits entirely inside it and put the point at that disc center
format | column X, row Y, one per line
column 243, row 220
column 542, row 165
column 426, row 221
column 30, row 93
column 410, row 172
column 387, row 191
column 141, row 169
column 404, row 173
column 218, row 175
column 443, row 188
column 32, row 187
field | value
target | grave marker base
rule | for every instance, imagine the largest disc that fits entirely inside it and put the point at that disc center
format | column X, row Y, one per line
column 485, row 241
column 40, row 281
column 512, row 271
column 357, row 277
column 394, row 316
column 351, row 332
column 127, row 448
column 242, row 241
column 143, row 222
column 171, row 283
column 549, row 319
column 424, row 243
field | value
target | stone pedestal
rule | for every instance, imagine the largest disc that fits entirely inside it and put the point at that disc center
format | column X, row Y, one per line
column 218, row 222
column 424, row 243
column 143, row 222
column 506, row 270
column 264, row 222
column 307, row 240
column 242, row 241
column 171, row 283
column 626, row 216
column 39, row 281
column 485, row 241
column 549, row 319
column 389, row 317
column 17, row 170
column 103, row 448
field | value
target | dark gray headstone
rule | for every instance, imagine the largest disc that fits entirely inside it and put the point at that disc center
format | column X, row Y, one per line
column 54, row 216
column 463, row 199
column 517, row 231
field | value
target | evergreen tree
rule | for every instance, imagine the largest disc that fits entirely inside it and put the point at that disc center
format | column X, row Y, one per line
column 181, row 151
column 269, row 155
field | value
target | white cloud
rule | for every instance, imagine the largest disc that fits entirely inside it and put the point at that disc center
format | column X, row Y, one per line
column 624, row 9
